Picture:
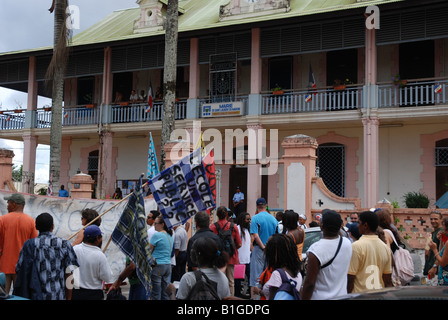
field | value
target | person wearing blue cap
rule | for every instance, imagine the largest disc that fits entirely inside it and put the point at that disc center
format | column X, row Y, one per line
column 94, row 268
column 263, row 226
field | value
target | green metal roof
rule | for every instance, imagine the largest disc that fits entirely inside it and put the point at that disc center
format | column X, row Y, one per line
column 198, row 15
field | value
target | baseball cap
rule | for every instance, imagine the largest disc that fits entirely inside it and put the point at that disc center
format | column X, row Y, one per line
column 261, row 201
column 16, row 197
column 92, row 231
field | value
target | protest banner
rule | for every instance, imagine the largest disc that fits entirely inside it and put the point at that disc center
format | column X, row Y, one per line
column 182, row 190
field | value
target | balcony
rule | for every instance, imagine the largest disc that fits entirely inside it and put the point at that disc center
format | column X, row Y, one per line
column 415, row 93
column 326, row 99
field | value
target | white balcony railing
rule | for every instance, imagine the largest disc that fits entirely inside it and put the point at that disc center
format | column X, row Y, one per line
column 313, row 101
column 413, row 93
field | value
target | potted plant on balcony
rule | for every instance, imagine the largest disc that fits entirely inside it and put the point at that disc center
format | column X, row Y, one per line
column 398, row 82
column 341, row 85
column 18, row 111
column 277, row 90
column 47, row 108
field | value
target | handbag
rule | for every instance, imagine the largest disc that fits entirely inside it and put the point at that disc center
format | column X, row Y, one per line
column 240, row 271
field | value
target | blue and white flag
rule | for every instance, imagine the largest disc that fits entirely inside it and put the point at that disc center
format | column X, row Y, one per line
column 153, row 166
column 131, row 236
column 182, row 190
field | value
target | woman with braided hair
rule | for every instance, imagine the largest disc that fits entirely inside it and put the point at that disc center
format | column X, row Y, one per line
column 281, row 252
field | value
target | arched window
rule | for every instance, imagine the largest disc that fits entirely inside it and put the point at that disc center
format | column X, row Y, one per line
column 331, row 164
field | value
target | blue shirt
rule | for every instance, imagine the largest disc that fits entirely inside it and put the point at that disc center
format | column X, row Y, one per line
column 264, row 224
column 63, row 193
column 163, row 246
column 238, row 196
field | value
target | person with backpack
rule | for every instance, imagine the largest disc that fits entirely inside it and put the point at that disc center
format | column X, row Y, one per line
column 228, row 232
column 286, row 280
column 207, row 282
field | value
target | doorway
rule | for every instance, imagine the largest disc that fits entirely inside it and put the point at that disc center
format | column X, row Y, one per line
column 237, row 178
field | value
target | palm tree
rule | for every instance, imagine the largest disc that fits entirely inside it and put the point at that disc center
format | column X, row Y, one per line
column 55, row 81
column 169, row 77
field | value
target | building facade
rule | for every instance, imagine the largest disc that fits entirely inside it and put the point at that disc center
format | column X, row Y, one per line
column 375, row 99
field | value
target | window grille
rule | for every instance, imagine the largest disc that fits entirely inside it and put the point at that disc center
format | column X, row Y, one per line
column 92, row 163
column 331, row 164
column 441, row 157
column 223, row 68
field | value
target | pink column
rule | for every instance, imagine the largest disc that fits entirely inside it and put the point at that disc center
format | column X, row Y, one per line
column 371, row 125
column 108, row 165
column 32, row 85
column 29, row 162
column 194, row 69
column 371, row 161
column 254, row 177
column 107, row 77
column 255, row 68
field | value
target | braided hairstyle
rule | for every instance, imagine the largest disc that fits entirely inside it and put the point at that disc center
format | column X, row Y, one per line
column 281, row 251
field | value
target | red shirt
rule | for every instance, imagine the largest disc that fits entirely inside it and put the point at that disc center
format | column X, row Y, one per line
column 15, row 229
column 236, row 238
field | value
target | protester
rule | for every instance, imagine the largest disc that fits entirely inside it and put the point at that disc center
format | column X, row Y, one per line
column 327, row 261
column 118, row 194
column 63, row 193
column 371, row 261
column 202, row 222
column 16, row 227
column 291, row 228
column 281, row 252
column 441, row 258
column 152, row 215
column 391, row 237
column 94, row 268
column 224, row 224
column 137, row 290
column 180, row 252
column 161, row 245
column 262, row 226
column 53, row 259
column 302, row 220
column 238, row 202
column 87, row 216
column 243, row 222
column 209, row 259
column 436, row 219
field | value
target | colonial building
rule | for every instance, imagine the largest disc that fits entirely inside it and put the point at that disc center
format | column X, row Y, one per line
column 378, row 109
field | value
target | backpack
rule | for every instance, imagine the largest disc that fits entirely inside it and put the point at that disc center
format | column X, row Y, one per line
column 227, row 238
column 287, row 290
column 403, row 265
column 403, row 270
column 203, row 289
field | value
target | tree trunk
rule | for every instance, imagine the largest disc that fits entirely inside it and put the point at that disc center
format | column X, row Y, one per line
column 169, row 77
column 55, row 76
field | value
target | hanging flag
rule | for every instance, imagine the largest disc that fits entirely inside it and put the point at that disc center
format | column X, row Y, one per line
column 150, row 97
column 8, row 118
column 182, row 190
column 153, row 166
column 209, row 163
column 131, row 236
column 438, row 88
column 50, row 186
column 200, row 144
column 311, row 85
column 65, row 114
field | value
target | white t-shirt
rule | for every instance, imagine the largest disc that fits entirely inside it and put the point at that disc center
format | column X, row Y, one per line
column 244, row 250
column 93, row 267
column 331, row 280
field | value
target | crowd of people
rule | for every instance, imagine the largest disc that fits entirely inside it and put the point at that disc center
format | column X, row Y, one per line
column 264, row 248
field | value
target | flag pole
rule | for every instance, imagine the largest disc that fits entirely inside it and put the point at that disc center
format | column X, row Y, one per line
column 125, row 198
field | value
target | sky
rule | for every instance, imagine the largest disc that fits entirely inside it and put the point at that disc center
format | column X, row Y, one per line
column 29, row 25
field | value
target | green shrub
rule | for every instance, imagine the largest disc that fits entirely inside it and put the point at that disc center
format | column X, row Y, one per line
column 416, row 200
